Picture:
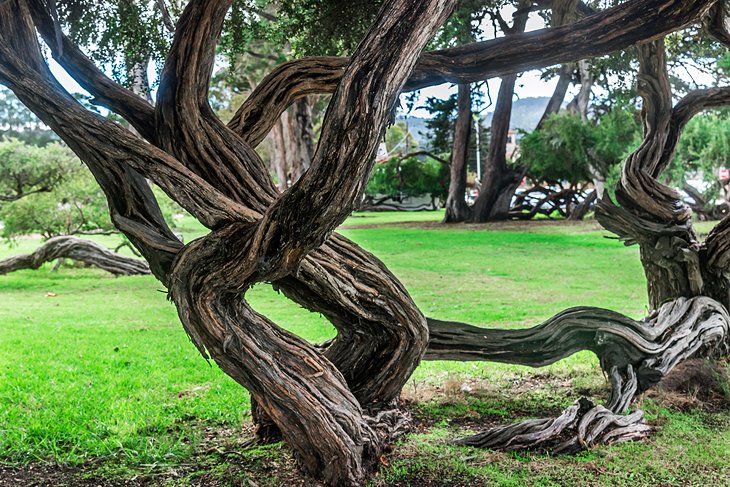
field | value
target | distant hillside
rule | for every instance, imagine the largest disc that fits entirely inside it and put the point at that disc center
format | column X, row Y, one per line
column 526, row 113
column 417, row 128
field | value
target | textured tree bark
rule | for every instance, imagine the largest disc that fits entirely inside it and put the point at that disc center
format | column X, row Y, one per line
column 687, row 286
column 107, row 149
column 652, row 214
column 81, row 250
column 634, row 355
column 456, row 207
column 315, row 399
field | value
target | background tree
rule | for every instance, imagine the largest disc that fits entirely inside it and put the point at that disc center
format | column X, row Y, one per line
column 27, row 169
column 702, row 150
column 499, row 178
column 565, row 155
column 46, row 190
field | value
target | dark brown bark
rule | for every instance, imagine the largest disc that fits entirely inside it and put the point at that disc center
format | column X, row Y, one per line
column 456, row 207
column 499, row 181
column 302, row 392
column 315, row 399
column 77, row 249
column 403, row 336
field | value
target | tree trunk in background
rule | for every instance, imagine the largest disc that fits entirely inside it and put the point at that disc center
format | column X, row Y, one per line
column 582, row 100
column 556, row 100
column 301, row 138
column 500, row 181
column 563, row 12
column 80, row 250
column 456, row 207
column 279, row 159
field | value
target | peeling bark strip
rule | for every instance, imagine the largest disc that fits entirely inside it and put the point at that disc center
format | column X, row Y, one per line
column 584, row 424
column 81, row 250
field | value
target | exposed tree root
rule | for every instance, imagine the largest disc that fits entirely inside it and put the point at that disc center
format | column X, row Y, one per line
column 581, row 426
column 634, row 355
column 86, row 251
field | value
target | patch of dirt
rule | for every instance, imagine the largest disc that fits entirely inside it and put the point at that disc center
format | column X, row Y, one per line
column 37, row 475
column 694, row 384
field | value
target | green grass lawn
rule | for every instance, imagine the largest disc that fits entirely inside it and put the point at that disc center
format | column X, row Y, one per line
column 97, row 373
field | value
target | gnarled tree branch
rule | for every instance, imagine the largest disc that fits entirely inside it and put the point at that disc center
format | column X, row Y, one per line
column 595, row 35
column 78, row 249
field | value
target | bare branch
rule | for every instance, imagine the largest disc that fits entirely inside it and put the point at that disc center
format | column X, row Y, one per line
column 595, row 35
column 166, row 18
column 105, row 91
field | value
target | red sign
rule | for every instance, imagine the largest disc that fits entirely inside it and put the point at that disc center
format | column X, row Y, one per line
column 724, row 174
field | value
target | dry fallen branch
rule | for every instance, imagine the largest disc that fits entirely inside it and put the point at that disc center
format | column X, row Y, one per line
column 80, row 250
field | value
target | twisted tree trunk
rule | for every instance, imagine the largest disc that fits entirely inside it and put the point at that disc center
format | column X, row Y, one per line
column 687, row 286
column 316, row 399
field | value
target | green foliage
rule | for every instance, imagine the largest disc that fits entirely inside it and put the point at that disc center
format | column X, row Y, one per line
column 16, row 121
column 409, row 177
column 567, row 149
column 118, row 34
column 75, row 206
column 27, row 169
column 326, row 27
column 441, row 123
column 703, row 148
